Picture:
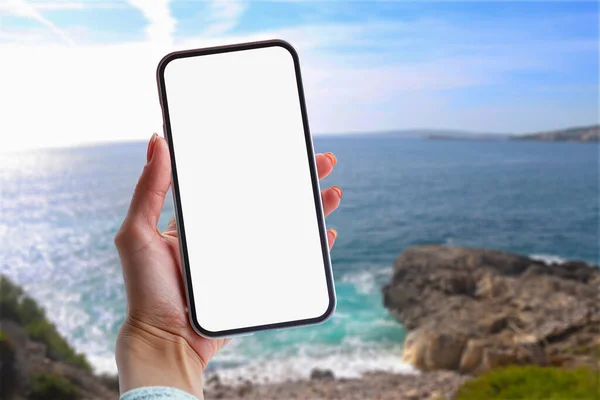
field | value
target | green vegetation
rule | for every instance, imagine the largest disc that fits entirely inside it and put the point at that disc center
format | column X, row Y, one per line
column 533, row 383
column 8, row 374
column 15, row 305
column 3, row 339
column 48, row 386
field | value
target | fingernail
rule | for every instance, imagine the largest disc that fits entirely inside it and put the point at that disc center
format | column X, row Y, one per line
column 151, row 147
column 331, row 157
column 338, row 191
column 332, row 230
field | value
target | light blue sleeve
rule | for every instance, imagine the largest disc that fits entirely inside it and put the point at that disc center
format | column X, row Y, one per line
column 157, row 393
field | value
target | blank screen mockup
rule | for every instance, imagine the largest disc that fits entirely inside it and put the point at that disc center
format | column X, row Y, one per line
column 245, row 189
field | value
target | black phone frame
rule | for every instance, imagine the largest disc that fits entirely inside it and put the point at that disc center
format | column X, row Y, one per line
column 162, row 92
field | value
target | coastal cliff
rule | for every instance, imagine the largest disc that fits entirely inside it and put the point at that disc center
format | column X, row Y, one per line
column 36, row 362
column 471, row 310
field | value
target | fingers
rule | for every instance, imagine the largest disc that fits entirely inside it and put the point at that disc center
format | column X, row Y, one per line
column 150, row 192
column 171, row 229
column 325, row 163
column 149, row 195
column 331, row 235
column 172, row 226
column 331, row 199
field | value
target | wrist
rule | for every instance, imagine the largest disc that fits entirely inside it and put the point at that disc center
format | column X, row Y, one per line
column 148, row 356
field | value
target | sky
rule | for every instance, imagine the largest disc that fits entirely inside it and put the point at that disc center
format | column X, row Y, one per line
column 83, row 71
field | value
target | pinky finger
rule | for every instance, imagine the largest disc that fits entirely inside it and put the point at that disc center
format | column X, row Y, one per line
column 331, row 235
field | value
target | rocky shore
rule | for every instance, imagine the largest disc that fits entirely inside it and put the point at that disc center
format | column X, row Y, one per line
column 471, row 310
column 378, row 385
column 467, row 311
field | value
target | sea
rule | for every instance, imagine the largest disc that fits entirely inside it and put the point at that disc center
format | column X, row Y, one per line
column 60, row 209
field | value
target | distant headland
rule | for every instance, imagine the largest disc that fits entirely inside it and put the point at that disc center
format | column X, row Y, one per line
column 578, row 134
column 584, row 134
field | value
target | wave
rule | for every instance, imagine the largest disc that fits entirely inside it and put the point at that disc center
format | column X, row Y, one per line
column 234, row 368
column 367, row 282
column 281, row 368
column 548, row 258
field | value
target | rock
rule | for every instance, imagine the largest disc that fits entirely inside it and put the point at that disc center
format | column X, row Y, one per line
column 493, row 358
column 213, row 380
column 470, row 310
column 30, row 357
column 430, row 350
column 490, row 287
column 413, row 394
column 444, row 350
column 413, row 352
column 9, row 375
column 245, row 389
column 321, row 374
column 436, row 395
column 374, row 385
column 110, row 381
column 472, row 355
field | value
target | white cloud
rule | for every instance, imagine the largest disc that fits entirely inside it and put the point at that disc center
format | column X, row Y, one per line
column 29, row 36
column 108, row 93
column 22, row 8
column 161, row 23
column 223, row 15
column 59, row 95
column 43, row 5
column 98, row 93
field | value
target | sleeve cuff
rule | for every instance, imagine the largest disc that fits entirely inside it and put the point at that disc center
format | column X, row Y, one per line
column 157, row 393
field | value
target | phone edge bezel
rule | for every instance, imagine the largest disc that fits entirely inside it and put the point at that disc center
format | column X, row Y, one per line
column 177, row 203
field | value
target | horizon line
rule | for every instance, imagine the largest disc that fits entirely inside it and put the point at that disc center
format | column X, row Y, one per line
column 318, row 134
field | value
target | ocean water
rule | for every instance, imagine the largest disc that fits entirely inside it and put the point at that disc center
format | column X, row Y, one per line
column 60, row 209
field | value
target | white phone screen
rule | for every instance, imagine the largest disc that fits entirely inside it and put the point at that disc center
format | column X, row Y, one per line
column 254, row 240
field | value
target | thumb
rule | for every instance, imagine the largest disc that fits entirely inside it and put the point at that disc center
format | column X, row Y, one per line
column 149, row 195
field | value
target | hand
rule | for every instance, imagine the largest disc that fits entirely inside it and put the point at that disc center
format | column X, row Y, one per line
column 156, row 345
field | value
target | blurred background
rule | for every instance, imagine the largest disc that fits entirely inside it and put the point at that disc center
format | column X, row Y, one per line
column 425, row 105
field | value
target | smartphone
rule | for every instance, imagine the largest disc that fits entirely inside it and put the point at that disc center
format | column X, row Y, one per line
column 246, row 191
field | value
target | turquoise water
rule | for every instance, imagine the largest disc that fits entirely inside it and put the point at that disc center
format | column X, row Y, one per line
column 60, row 209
